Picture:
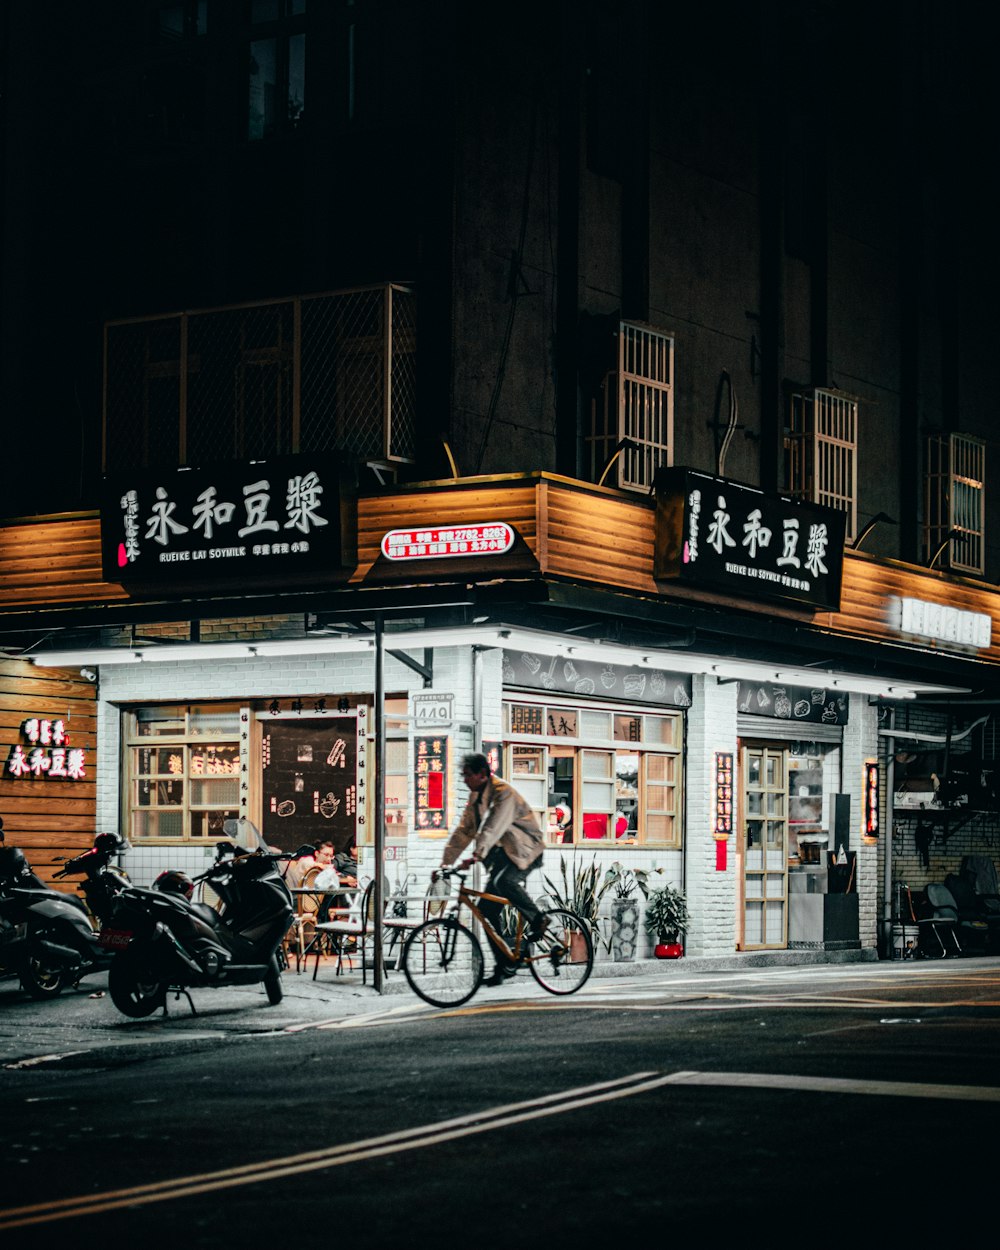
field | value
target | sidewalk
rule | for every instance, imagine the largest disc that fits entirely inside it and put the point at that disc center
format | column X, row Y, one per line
column 347, row 992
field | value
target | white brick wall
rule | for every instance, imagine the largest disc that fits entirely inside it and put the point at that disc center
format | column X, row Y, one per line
column 712, row 895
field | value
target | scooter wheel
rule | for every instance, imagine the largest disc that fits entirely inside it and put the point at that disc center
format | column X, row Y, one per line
column 40, row 982
column 134, row 988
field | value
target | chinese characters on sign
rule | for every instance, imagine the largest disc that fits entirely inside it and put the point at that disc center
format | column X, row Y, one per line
column 729, row 536
column 430, row 777
column 191, row 524
column 46, row 752
column 723, row 794
column 871, row 799
column 941, row 622
column 491, row 538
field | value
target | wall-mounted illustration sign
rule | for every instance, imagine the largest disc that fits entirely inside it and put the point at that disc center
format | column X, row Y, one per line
column 433, row 711
column 430, row 778
column 309, row 771
column 526, row 671
column 818, row 705
column 940, row 622
column 277, row 521
column 723, row 822
column 45, row 752
column 435, row 542
column 722, row 535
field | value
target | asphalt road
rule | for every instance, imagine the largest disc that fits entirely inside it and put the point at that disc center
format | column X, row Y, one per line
column 771, row 1106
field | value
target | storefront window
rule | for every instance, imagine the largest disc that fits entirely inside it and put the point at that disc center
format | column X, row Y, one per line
column 596, row 775
column 183, row 767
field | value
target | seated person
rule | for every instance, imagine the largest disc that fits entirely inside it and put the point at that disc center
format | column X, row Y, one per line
column 346, row 863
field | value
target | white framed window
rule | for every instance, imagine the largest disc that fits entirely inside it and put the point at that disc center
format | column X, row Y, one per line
column 182, row 772
column 634, row 411
column 822, row 451
column 595, row 775
column 954, row 503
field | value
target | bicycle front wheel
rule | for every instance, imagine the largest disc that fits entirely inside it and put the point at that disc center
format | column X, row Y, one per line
column 443, row 963
column 561, row 960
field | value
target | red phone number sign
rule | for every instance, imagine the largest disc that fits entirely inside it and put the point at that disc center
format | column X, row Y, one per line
column 489, row 539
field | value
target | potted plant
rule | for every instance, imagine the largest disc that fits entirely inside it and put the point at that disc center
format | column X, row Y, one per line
column 583, row 896
column 624, row 883
column 667, row 918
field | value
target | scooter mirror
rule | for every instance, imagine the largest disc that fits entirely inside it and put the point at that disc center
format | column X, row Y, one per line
column 305, row 849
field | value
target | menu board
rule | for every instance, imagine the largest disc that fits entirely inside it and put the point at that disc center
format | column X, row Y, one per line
column 430, row 778
column 310, row 781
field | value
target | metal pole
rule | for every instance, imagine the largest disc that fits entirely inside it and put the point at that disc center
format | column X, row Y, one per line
column 887, row 881
column 378, row 892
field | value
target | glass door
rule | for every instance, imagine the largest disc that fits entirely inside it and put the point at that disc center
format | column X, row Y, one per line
column 765, row 846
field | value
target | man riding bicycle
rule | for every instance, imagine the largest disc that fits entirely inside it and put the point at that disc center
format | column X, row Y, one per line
column 507, row 840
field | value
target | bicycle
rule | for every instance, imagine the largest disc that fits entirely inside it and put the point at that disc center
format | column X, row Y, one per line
column 443, row 958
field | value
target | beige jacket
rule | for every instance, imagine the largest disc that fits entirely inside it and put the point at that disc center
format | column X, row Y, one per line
column 497, row 815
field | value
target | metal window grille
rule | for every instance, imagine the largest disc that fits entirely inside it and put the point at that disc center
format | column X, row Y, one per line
column 822, row 447
column 330, row 372
column 954, row 499
column 635, row 407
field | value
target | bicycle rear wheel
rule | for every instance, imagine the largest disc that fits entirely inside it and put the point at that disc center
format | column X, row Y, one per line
column 562, row 959
column 443, row 963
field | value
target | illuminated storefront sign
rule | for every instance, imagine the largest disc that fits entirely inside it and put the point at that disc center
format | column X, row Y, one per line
column 430, row 776
column 272, row 520
column 46, row 752
column 871, row 799
column 728, row 537
column 434, row 542
column 940, row 622
column 723, row 794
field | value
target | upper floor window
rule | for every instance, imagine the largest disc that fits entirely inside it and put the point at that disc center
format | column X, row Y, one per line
column 173, row 90
column 276, row 68
column 821, row 446
column 632, row 428
column 330, row 372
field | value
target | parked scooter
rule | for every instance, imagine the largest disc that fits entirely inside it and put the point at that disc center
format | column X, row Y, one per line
column 104, row 881
column 165, row 940
column 46, row 938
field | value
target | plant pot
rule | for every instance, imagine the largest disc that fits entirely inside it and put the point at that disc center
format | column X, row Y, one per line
column 667, row 947
column 624, row 929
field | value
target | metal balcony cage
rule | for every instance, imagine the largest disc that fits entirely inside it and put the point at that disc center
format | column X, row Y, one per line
column 635, row 410
column 328, row 372
column 954, row 501
column 821, row 446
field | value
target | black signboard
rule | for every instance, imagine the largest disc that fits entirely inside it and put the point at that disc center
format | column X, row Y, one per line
column 430, row 777
column 814, row 705
column 257, row 522
column 722, row 535
column 310, row 779
column 590, row 678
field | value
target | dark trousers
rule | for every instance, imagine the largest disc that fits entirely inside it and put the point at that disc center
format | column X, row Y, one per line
column 507, row 880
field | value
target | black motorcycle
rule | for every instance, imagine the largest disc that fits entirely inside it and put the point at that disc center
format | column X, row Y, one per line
column 46, row 938
column 103, row 880
column 167, row 941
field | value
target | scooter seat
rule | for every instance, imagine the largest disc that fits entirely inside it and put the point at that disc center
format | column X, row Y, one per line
column 206, row 913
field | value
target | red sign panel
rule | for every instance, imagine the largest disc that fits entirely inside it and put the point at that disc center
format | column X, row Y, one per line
column 491, row 538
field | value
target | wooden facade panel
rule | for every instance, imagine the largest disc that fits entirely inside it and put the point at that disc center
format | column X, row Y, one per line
column 48, row 817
